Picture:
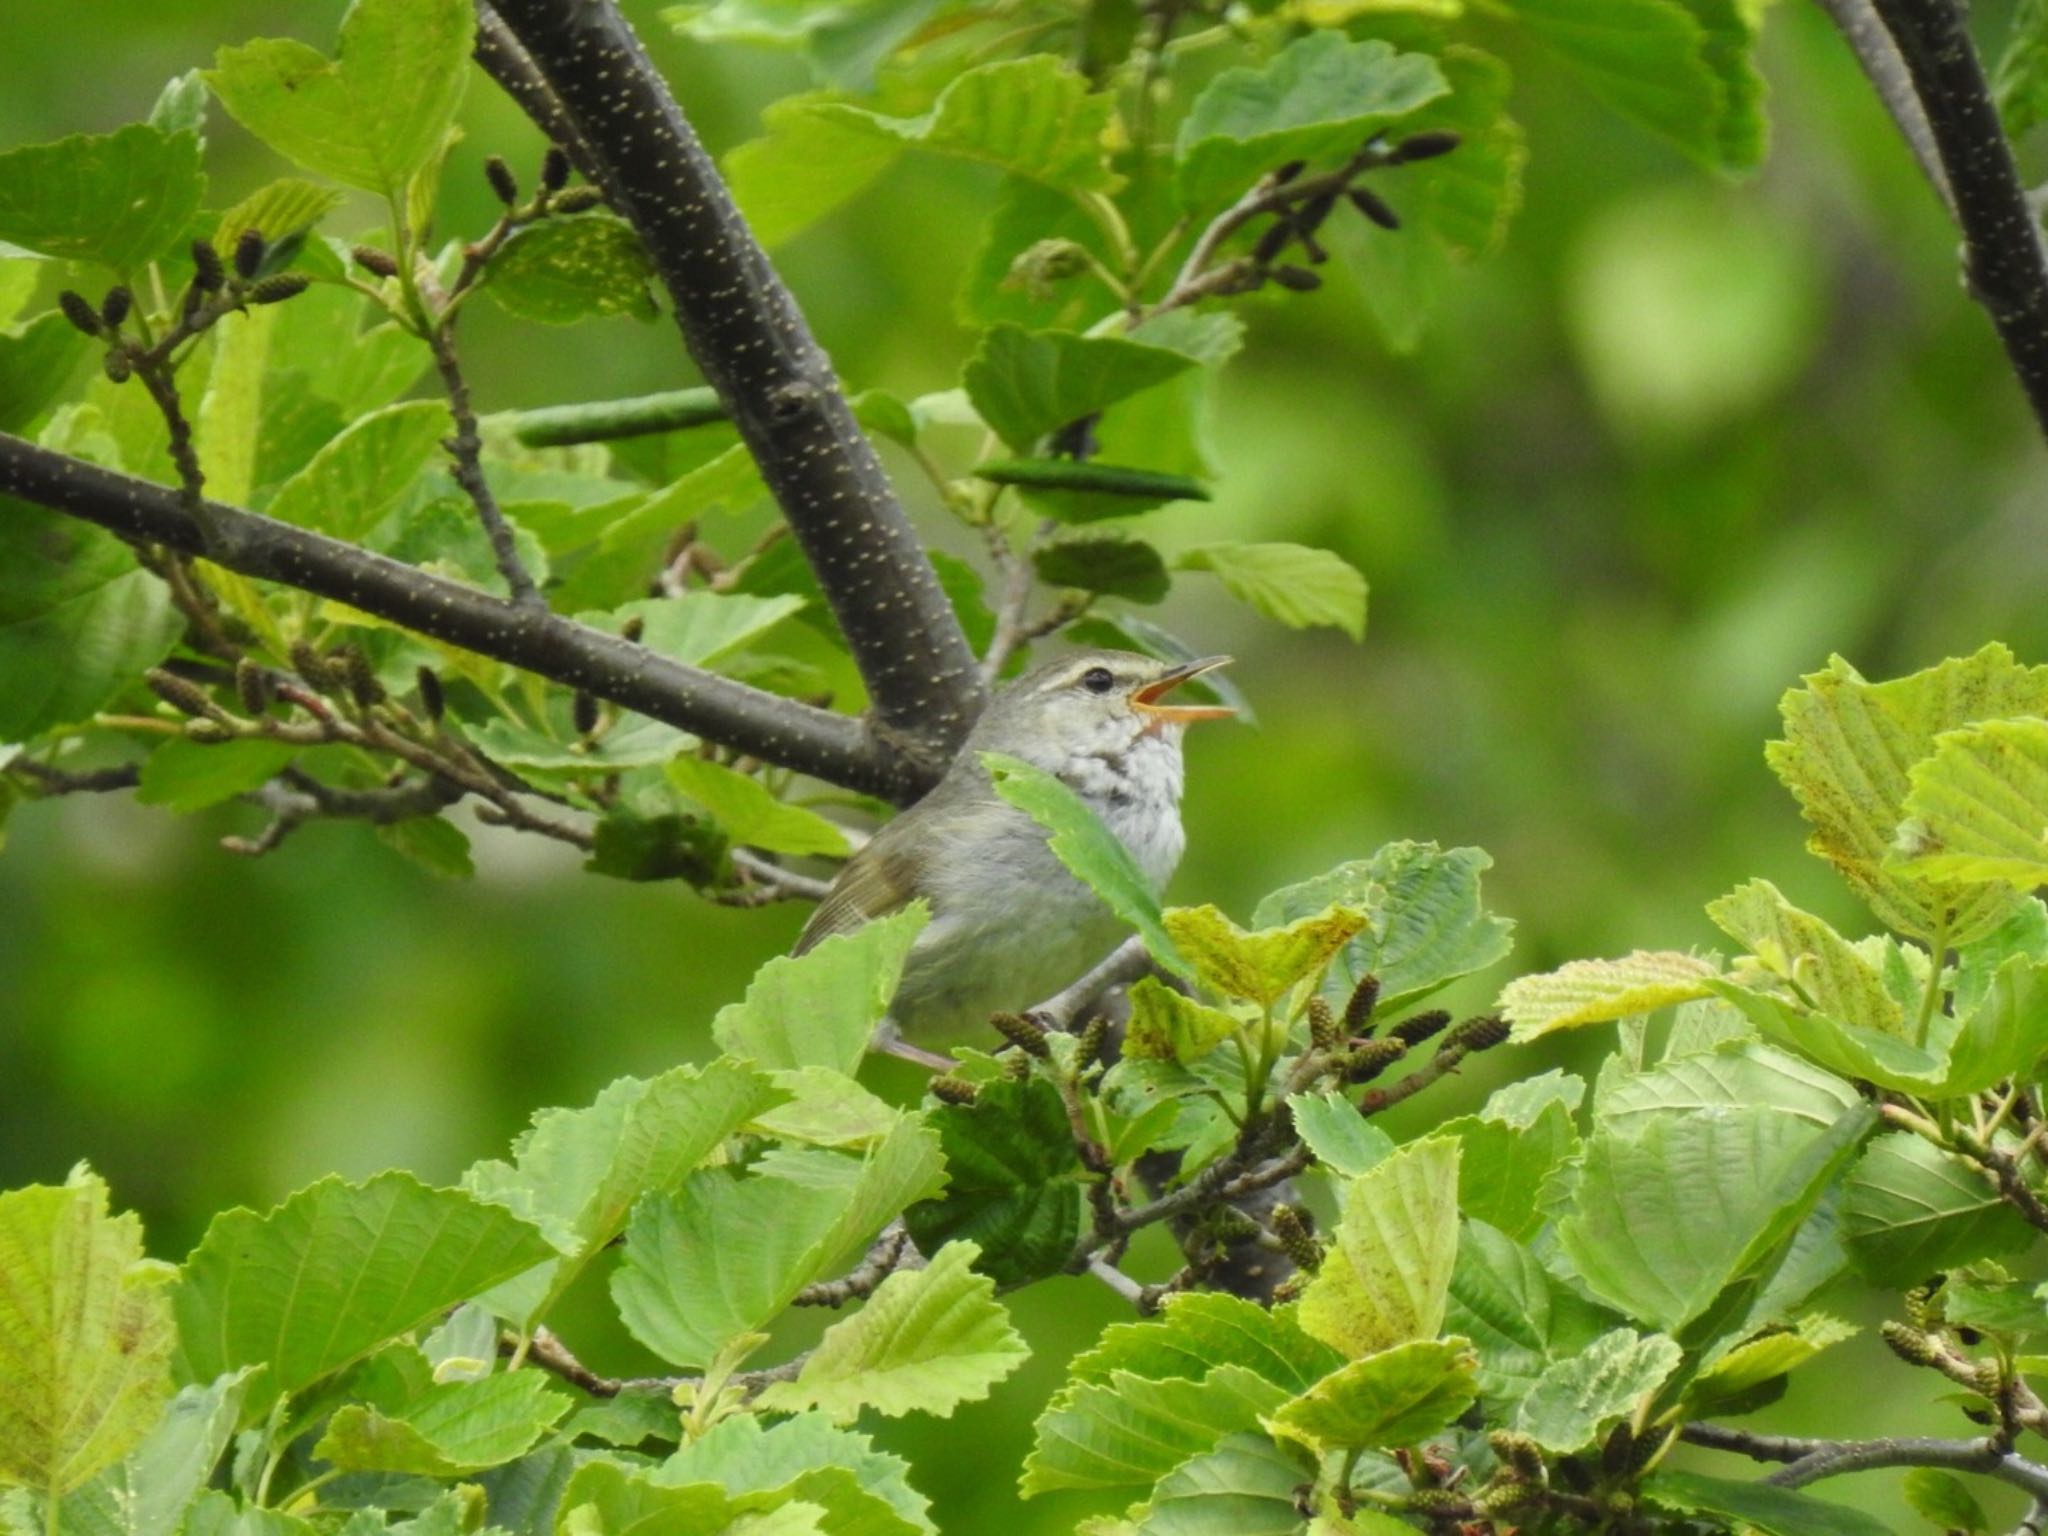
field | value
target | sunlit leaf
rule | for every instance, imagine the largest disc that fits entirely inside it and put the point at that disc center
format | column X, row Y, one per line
column 1575, row 1400
column 1129, row 1430
column 450, row 1430
column 1292, row 584
column 1245, row 1487
column 1596, row 991
column 820, row 1008
column 563, row 270
column 119, row 199
column 1397, row 1397
column 1388, row 1270
column 1167, row 1025
column 866, row 1491
column 1804, row 950
column 1262, row 966
column 357, row 478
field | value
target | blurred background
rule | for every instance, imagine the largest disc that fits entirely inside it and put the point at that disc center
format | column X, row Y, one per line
column 1677, row 444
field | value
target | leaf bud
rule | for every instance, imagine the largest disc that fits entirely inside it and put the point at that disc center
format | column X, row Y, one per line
column 1043, row 263
column 1519, row 1453
column 278, row 287
column 1298, row 279
column 1372, row 1058
column 181, row 693
column 1482, row 1033
column 1297, row 1238
column 1092, row 1040
column 432, row 700
column 208, row 732
column 554, row 168
column 633, row 629
column 252, row 686
column 1324, row 1033
column 115, row 306
column 1422, row 1026
column 360, row 676
column 1425, row 146
column 577, row 200
column 1374, row 207
column 503, row 183
column 1027, row 1034
column 1909, row 1344
column 1364, row 998
column 117, row 367
column 377, row 263
column 208, row 275
column 248, row 253
column 953, row 1090
column 584, row 712
column 79, row 312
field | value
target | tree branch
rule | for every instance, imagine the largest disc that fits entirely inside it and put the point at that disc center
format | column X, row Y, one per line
column 778, row 730
column 600, row 421
column 1808, row 1461
column 747, row 335
column 2002, row 251
column 1867, row 38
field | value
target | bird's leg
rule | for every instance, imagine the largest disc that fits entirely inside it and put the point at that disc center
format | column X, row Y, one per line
column 890, row 1040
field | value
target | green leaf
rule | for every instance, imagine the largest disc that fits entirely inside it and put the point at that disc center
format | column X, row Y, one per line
column 278, row 211
column 1755, row 1363
column 1741, row 132
column 1775, row 1511
column 1397, row 1397
column 1321, row 96
column 808, row 163
column 149, row 1490
column 1911, row 1210
column 79, row 620
column 85, row 1335
column 723, row 1255
column 119, row 199
column 1735, row 1075
column 1197, row 1331
column 1291, row 583
column 607, row 1498
column 1264, row 966
column 1026, row 384
column 806, row 1457
column 1503, row 1168
column 1670, row 1212
column 1128, row 1430
column 827, row 1109
column 629, row 846
column 36, row 362
column 1802, row 948
column 1978, row 807
column 1574, row 1402
column 1425, row 924
column 1500, row 1298
column 1013, row 1181
column 1595, row 991
column 2021, row 81
column 1388, row 1270
column 188, row 775
column 926, row 1341
column 450, row 1430
column 1945, row 1499
column 1846, row 755
column 700, row 629
column 1342, row 1139
column 563, row 270
column 357, row 478
column 434, row 843
column 336, row 1270
column 1166, row 1025
column 1245, row 1487
column 1103, row 563
column 820, row 1008
column 750, row 812
column 1088, row 849
column 2006, row 1307
column 1085, row 490
column 372, row 116
column 576, row 1173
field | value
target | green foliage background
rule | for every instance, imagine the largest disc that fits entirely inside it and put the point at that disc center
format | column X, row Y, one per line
column 1676, row 444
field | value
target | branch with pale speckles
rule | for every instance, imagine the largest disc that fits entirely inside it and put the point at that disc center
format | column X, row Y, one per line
column 829, row 746
column 745, row 332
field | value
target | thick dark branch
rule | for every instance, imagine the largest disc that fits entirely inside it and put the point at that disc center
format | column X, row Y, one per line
column 2002, row 253
column 1867, row 38
column 498, row 51
column 778, row 730
column 746, row 334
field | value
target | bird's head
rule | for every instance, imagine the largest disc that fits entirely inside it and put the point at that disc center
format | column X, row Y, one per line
column 1093, row 703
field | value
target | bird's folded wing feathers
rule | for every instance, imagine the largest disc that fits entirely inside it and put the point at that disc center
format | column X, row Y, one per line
column 879, row 880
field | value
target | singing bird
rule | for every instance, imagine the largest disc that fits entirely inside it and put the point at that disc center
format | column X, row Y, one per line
column 1009, row 925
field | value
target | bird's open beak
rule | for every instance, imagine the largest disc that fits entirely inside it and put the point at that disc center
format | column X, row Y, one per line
column 1145, row 700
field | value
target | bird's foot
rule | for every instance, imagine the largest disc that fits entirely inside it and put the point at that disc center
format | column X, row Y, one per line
column 903, row 1050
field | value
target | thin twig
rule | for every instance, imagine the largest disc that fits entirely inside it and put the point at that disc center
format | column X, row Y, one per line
column 1810, row 1460
column 1123, row 965
column 891, row 1251
column 775, row 882
column 546, row 1351
column 465, row 452
column 92, row 781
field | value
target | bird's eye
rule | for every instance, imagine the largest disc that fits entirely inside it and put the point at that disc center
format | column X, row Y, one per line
column 1097, row 680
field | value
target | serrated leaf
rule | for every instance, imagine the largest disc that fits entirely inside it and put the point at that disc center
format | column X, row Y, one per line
column 1166, row 1025
column 1426, row 925
column 1388, row 1269
column 79, row 620
column 1129, row 1430
column 1503, row 1168
column 826, row 1108
column 563, row 270
column 1739, row 1074
column 926, row 1341
column 2021, row 80
column 1323, row 95
column 1292, row 584
column 804, row 166
column 2012, row 1307
column 1945, row 1499
column 1026, row 384
column 451, row 1430
column 185, row 775
column 1572, row 1404
column 373, row 115
column 1846, row 755
column 1261, row 967
column 1397, row 1397
column 1806, row 951
column 1091, row 853
column 1977, row 810
column 148, row 1491
column 820, row 1008
column 1774, row 1511
column 1911, row 1210
column 1342, row 1139
column 36, row 362
column 1108, row 564
column 1500, row 1299
column 1756, row 1362
column 1012, row 1181
column 285, row 207
column 1245, row 1487
column 867, row 1492
column 119, row 199
column 1197, row 1331
column 85, row 1335
column 607, row 1498
column 699, row 629
column 350, row 484
column 434, row 843
column 1597, row 991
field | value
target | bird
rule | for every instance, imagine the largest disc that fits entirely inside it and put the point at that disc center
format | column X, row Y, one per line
column 1010, row 925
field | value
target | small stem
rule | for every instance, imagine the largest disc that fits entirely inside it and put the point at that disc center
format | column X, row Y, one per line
column 1930, row 997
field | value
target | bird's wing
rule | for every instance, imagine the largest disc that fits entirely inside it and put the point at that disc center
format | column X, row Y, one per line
column 875, row 882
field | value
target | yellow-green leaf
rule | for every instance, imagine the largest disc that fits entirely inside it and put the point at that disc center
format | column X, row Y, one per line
column 1978, row 807
column 1806, row 951
column 746, row 808
column 1397, row 1397
column 1387, row 1275
column 1595, row 991
column 1167, row 1026
column 1260, row 967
